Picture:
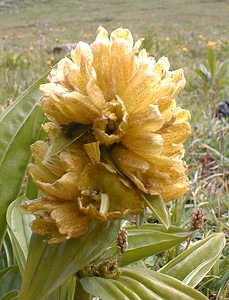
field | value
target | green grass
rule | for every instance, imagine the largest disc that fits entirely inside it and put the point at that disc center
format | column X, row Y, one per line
column 172, row 28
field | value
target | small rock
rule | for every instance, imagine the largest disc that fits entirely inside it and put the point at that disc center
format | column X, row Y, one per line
column 223, row 110
column 66, row 48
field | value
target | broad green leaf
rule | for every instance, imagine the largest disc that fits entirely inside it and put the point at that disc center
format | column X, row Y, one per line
column 140, row 284
column 158, row 207
column 110, row 252
column 65, row 292
column 8, row 250
column 19, row 128
column 48, row 266
column 149, row 240
column 158, row 227
column 211, row 60
column 62, row 141
column 11, row 295
column 19, row 231
column 193, row 264
column 10, row 279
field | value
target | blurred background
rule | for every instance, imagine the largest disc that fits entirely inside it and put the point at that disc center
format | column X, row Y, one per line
column 23, row 21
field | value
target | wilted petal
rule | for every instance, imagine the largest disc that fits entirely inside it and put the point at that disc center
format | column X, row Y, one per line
column 145, row 144
column 101, row 62
column 58, row 217
column 140, row 89
column 111, row 126
column 105, row 196
column 58, row 174
column 135, row 168
column 69, row 107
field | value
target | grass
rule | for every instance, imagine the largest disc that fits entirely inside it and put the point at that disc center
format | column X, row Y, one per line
column 174, row 29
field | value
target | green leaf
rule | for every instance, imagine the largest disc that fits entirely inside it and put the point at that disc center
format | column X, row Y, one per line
column 48, row 266
column 8, row 250
column 65, row 292
column 62, row 141
column 19, row 128
column 149, row 240
column 110, row 252
column 193, row 264
column 10, row 279
column 205, row 71
column 202, row 74
column 223, row 82
column 19, row 231
column 158, row 207
column 140, row 284
column 222, row 69
column 211, row 60
column 11, row 295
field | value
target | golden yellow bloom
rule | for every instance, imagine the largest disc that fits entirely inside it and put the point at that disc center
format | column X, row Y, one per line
column 58, row 174
column 126, row 99
column 212, row 44
column 79, row 188
column 184, row 49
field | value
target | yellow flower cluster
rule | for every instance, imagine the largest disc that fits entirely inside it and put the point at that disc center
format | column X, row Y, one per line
column 131, row 137
column 212, row 44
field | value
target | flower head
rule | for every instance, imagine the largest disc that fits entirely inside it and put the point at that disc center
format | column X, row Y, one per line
column 212, row 44
column 127, row 100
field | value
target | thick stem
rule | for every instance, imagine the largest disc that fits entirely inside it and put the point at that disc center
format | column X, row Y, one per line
column 80, row 293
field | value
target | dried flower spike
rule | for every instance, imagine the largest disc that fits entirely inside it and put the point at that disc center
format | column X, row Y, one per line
column 197, row 219
column 122, row 240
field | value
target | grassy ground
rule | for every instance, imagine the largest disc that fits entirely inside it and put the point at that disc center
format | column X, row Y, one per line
column 181, row 30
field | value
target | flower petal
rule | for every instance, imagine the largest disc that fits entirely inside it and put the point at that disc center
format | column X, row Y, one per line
column 58, row 217
column 58, row 175
column 121, row 197
column 69, row 107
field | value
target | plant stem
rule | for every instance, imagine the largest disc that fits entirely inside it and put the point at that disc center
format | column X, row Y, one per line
column 189, row 241
column 80, row 293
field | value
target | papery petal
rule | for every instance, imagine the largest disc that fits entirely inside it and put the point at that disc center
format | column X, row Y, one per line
column 122, row 198
column 149, row 119
column 145, row 144
column 122, row 59
column 58, row 174
column 69, row 107
column 58, row 216
column 135, row 168
column 140, row 89
column 101, row 62
column 111, row 126
column 155, row 176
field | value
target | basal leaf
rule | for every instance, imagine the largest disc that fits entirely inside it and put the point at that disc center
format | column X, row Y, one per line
column 193, row 264
column 48, row 266
column 151, row 239
column 11, row 295
column 10, row 279
column 158, row 207
column 65, row 292
column 19, row 128
column 140, row 284
column 19, row 231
